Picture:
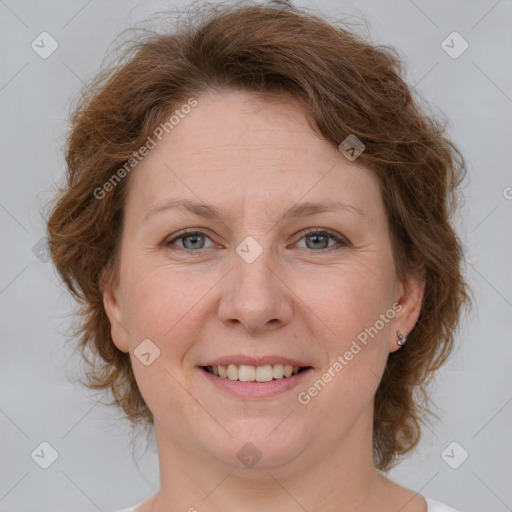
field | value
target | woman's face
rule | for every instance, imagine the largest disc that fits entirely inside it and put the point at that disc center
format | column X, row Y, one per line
column 257, row 282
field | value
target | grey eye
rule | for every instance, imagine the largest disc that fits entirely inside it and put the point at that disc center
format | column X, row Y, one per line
column 195, row 241
column 317, row 241
column 190, row 241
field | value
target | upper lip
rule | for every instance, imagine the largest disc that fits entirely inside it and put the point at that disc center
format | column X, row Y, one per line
column 239, row 359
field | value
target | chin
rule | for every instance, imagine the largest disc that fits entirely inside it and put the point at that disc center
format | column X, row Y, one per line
column 263, row 444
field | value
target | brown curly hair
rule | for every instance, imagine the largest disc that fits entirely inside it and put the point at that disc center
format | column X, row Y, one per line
column 346, row 86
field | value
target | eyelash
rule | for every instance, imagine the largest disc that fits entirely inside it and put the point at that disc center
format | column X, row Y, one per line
column 342, row 241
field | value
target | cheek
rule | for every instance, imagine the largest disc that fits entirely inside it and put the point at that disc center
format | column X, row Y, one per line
column 355, row 306
column 164, row 304
column 152, row 298
column 159, row 306
column 350, row 299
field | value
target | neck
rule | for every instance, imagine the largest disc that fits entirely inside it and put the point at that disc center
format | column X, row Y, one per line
column 340, row 477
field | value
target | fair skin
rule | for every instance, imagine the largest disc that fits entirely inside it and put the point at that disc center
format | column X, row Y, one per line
column 303, row 297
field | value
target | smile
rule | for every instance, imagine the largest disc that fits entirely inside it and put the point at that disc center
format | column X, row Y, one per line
column 229, row 381
column 247, row 373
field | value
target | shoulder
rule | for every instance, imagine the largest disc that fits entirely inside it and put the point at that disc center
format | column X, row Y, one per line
column 437, row 506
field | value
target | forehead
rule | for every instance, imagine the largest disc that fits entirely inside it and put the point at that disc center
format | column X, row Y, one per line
column 241, row 122
column 259, row 148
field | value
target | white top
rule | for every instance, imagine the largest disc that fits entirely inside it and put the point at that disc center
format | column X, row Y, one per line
column 432, row 506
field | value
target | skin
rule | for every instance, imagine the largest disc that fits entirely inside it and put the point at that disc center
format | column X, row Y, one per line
column 253, row 157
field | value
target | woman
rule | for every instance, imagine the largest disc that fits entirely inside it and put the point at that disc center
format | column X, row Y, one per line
column 256, row 222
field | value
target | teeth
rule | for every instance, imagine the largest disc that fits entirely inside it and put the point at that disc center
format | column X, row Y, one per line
column 278, row 371
column 232, row 372
column 245, row 373
column 263, row 373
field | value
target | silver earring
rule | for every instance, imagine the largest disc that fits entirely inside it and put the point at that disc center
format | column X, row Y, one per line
column 401, row 339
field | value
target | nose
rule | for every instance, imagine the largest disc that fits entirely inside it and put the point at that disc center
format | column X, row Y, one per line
column 255, row 296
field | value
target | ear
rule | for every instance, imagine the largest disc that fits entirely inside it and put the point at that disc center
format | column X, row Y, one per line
column 408, row 307
column 114, row 312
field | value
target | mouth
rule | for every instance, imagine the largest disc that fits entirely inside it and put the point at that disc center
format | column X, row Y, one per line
column 255, row 382
column 247, row 373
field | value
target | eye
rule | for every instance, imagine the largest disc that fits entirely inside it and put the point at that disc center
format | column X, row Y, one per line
column 319, row 239
column 190, row 240
column 193, row 240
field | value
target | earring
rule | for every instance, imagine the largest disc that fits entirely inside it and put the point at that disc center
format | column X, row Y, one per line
column 401, row 339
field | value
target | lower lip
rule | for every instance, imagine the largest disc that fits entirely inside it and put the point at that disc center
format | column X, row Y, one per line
column 256, row 389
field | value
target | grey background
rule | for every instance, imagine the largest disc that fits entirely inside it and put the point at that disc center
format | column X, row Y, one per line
column 40, row 400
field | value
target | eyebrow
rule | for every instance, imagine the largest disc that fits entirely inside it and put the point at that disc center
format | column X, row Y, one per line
column 299, row 210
